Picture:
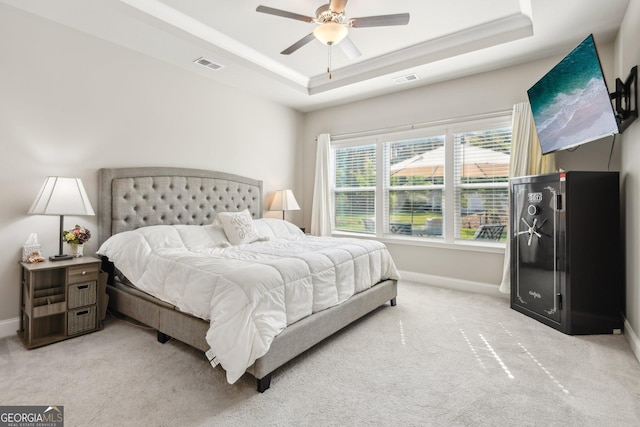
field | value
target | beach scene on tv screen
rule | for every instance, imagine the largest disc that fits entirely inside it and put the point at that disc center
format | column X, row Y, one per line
column 571, row 103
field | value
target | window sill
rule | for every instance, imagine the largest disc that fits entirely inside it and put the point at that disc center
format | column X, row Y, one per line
column 464, row 245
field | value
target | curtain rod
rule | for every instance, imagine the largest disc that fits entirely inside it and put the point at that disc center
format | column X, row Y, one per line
column 400, row 128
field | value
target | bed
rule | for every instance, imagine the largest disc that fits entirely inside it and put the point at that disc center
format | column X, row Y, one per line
column 138, row 200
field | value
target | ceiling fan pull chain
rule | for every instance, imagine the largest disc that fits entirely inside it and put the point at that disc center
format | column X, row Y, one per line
column 329, row 61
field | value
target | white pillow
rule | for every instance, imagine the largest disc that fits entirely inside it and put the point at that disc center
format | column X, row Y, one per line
column 238, row 226
column 198, row 237
column 277, row 228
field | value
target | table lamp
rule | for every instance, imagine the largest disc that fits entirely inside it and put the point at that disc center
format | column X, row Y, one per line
column 284, row 201
column 61, row 196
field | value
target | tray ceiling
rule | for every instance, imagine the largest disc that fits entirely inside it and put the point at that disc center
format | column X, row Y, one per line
column 443, row 40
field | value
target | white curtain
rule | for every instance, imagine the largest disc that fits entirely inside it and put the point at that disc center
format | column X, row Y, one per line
column 321, row 217
column 526, row 159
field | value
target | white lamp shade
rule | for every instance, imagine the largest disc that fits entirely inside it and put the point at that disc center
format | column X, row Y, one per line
column 284, row 200
column 62, row 196
column 330, row 32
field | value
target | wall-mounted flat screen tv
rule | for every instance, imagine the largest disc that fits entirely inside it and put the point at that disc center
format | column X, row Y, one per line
column 571, row 103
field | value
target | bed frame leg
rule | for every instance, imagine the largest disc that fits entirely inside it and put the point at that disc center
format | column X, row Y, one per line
column 393, row 302
column 163, row 338
column 264, row 383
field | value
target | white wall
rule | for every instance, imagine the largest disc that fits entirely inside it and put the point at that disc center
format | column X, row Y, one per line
column 71, row 104
column 478, row 94
column 627, row 56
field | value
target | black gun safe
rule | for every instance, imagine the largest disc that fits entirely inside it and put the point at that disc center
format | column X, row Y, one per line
column 566, row 257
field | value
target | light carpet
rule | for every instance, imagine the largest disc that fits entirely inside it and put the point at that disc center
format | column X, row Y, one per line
column 439, row 358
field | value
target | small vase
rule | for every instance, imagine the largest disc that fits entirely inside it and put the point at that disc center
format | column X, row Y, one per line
column 76, row 249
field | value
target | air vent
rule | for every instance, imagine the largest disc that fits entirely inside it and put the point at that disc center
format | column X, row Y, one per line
column 405, row 79
column 207, row 63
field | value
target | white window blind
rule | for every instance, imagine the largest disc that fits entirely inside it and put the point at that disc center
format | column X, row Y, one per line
column 415, row 186
column 446, row 182
column 355, row 188
column 482, row 183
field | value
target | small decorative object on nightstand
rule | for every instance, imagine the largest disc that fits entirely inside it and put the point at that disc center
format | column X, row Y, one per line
column 76, row 238
column 59, row 300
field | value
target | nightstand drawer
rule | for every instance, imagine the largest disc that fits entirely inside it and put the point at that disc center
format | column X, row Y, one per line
column 81, row 294
column 82, row 273
column 80, row 320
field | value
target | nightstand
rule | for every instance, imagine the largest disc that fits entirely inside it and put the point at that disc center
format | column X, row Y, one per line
column 59, row 300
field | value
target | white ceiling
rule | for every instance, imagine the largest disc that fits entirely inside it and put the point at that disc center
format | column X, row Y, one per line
column 444, row 39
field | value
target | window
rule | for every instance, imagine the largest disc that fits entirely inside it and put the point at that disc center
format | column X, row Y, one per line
column 355, row 188
column 482, row 183
column 438, row 183
column 416, row 186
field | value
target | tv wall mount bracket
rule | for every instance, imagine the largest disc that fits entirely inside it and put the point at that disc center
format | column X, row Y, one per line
column 625, row 99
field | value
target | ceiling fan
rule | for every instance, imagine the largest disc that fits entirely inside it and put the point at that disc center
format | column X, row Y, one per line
column 333, row 26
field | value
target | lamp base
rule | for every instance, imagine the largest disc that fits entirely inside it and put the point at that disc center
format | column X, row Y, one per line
column 60, row 257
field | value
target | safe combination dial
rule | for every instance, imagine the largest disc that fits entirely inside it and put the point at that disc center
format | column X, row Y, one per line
column 533, row 229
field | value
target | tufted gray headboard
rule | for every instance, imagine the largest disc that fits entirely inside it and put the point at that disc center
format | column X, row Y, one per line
column 130, row 198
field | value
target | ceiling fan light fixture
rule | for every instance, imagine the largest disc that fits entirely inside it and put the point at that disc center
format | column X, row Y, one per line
column 330, row 33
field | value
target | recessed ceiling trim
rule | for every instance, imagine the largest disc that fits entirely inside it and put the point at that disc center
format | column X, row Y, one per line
column 485, row 35
column 481, row 36
column 198, row 29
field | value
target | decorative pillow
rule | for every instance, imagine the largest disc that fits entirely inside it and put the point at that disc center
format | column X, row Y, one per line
column 238, row 226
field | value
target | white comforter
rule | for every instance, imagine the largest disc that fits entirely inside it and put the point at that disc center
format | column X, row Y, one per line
column 249, row 292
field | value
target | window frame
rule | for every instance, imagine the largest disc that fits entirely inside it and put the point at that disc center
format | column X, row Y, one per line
column 382, row 140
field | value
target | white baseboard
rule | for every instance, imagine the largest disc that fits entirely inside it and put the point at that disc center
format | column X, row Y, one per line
column 9, row 327
column 457, row 284
column 632, row 337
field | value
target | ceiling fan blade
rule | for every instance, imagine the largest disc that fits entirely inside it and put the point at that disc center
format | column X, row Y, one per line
column 283, row 13
column 297, row 45
column 337, row 6
column 380, row 21
column 349, row 48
